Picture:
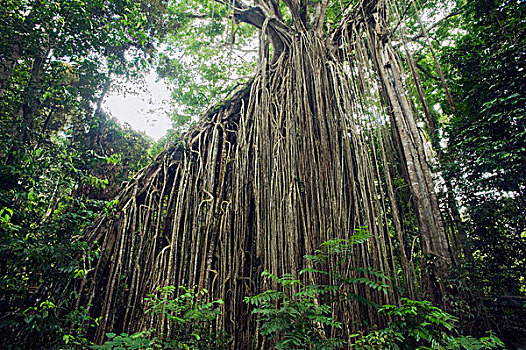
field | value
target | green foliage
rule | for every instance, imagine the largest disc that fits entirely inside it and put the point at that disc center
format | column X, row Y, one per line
column 61, row 157
column 191, row 322
column 210, row 55
column 295, row 321
column 112, row 152
column 141, row 340
column 488, row 127
column 488, row 135
column 54, row 325
column 190, row 314
column 48, row 193
column 338, row 252
column 486, row 154
column 419, row 325
column 299, row 315
column 54, row 62
column 340, row 248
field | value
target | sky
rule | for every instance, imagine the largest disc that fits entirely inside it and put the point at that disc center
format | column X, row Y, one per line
column 146, row 109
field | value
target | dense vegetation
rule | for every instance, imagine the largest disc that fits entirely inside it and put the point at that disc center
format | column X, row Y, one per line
column 66, row 165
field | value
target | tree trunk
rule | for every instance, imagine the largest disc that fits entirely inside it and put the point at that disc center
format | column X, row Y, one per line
column 8, row 65
column 432, row 231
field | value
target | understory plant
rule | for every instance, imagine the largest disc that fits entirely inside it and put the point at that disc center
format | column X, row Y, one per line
column 295, row 320
column 299, row 315
column 420, row 325
column 190, row 317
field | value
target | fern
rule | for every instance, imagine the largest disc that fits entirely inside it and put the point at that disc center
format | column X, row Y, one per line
column 420, row 325
column 299, row 315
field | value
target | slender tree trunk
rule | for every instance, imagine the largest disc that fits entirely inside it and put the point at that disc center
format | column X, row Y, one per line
column 432, row 232
column 32, row 94
column 8, row 65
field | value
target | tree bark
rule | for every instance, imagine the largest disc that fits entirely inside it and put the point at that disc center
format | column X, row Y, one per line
column 432, row 232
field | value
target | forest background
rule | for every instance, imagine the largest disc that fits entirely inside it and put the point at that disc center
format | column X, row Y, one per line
column 64, row 159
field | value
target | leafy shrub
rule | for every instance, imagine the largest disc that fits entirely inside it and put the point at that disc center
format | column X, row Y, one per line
column 191, row 316
column 191, row 320
column 299, row 315
column 144, row 340
column 419, row 325
column 296, row 321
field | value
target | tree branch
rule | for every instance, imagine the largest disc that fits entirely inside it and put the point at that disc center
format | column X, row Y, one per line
column 319, row 19
column 277, row 30
column 426, row 72
column 454, row 13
